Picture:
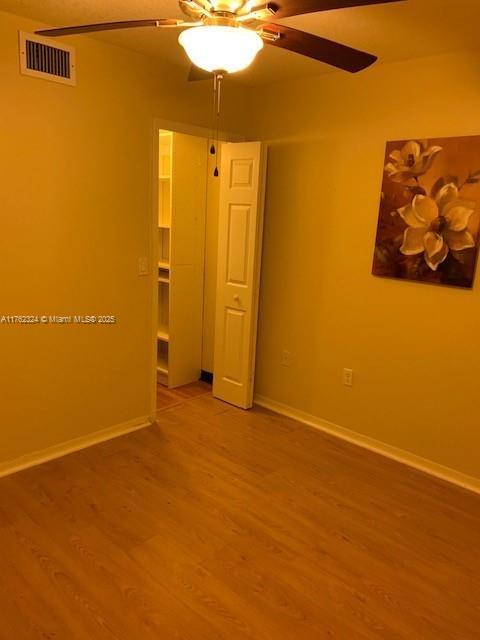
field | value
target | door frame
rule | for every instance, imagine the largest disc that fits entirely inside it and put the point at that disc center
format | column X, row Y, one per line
column 192, row 130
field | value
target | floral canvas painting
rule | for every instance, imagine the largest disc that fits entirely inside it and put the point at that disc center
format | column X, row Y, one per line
column 428, row 224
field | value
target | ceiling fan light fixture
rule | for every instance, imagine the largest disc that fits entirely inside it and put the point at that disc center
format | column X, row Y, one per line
column 221, row 48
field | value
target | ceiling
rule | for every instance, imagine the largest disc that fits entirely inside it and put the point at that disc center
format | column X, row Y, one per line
column 398, row 31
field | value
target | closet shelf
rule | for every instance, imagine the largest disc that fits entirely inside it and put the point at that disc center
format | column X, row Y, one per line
column 162, row 335
column 164, row 265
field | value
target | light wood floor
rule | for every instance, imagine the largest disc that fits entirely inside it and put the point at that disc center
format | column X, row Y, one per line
column 223, row 524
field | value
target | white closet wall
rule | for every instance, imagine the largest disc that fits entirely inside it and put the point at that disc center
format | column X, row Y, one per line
column 182, row 184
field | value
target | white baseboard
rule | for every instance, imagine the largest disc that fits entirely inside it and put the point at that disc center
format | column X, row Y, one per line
column 400, row 455
column 64, row 448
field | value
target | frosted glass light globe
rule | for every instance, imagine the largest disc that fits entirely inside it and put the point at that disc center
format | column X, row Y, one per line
column 220, row 48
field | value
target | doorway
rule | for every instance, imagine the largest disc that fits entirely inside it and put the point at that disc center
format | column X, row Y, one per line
column 184, row 248
column 187, row 227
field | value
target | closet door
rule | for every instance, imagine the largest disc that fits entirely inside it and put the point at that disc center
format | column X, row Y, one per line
column 242, row 193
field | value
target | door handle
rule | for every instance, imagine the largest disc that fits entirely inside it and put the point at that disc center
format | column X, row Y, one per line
column 236, row 297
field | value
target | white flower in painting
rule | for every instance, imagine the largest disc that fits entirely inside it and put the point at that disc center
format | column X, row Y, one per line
column 436, row 226
column 412, row 161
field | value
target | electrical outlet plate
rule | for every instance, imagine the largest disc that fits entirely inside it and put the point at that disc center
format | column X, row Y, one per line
column 286, row 358
column 348, row 377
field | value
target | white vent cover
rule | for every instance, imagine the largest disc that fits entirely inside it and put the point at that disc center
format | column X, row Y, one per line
column 45, row 58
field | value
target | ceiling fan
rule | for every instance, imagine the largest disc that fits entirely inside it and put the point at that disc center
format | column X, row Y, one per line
column 226, row 35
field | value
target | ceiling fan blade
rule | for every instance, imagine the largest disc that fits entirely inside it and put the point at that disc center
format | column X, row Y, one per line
column 307, row 44
column 288, row 8
column 198, row 74
column 108, row 26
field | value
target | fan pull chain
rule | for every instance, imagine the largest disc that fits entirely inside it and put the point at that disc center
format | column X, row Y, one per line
column 214, row 110
column 217, row 84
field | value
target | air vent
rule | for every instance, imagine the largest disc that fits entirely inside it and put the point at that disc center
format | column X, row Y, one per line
column 41, row 59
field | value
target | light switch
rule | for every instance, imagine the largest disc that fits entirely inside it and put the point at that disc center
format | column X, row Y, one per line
column 143, row 266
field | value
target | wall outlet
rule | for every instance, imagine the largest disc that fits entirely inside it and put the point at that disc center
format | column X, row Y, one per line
column 348, row 377
column 143, row 266
column 286, row 359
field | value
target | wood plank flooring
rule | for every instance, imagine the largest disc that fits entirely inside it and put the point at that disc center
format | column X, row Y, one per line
column 220, row 524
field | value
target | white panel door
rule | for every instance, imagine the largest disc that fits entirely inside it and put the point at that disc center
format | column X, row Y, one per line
column 242, row 193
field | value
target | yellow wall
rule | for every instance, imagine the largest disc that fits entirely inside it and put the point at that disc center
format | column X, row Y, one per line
column 75, row 206
column 413, row 347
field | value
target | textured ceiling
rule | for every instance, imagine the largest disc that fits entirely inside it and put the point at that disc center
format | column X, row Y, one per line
column 399, row 31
